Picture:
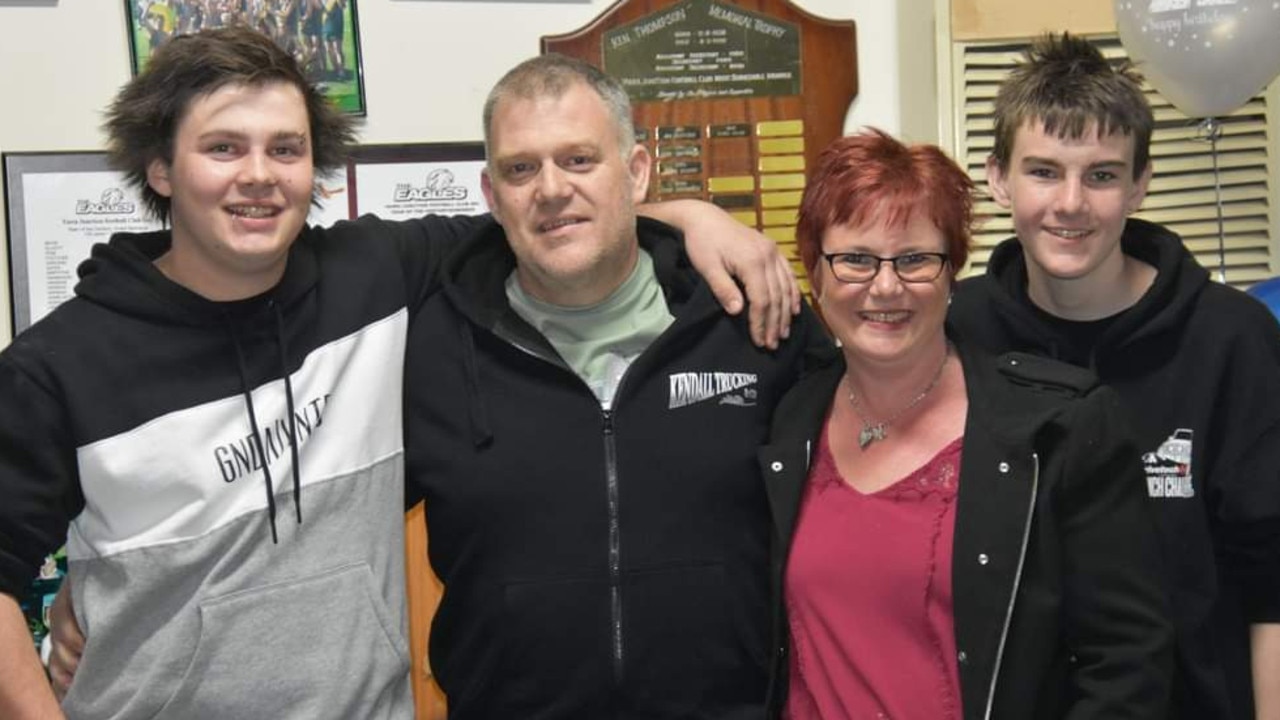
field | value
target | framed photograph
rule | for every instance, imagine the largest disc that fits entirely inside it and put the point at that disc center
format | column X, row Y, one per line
column 324, row 35
column 397, row 182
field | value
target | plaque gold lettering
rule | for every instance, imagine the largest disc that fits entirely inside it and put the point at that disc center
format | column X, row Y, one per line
column 681, row 167
column 736, row 130
column 679, row 151
column 679, row 132
column 679, row 187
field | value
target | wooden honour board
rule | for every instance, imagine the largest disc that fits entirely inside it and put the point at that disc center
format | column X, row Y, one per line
column 734, row 100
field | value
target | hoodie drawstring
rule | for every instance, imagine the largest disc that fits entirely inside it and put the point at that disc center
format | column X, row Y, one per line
column 257, row 437
column 257, row 431
column 293, row 420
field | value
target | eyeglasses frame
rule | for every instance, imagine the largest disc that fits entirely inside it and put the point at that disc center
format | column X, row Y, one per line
column 880, row 261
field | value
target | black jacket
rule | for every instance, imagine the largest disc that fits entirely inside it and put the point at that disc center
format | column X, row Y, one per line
column 596, row 564
column 1059, row 605
column 1197, row 367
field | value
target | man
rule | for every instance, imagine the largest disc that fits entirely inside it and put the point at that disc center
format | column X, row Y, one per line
column 1197, row 363
column 585, row 436
column 153, row 419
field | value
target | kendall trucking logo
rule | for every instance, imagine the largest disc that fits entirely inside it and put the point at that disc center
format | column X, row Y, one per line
column 1168, row 467
column 728, row 388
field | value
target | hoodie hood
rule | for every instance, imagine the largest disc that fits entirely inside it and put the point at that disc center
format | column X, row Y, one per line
column 122, row 276
column 474, row 283
column 1162, row 309
column 476, row 272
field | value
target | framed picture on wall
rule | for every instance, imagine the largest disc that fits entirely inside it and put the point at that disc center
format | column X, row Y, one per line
column 324, row 35
column 397, row 182
column 58, row 205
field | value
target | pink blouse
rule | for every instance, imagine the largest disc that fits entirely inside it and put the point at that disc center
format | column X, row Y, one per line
column 868, row 592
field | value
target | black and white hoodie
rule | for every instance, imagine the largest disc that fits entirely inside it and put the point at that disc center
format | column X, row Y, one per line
column 228, row 477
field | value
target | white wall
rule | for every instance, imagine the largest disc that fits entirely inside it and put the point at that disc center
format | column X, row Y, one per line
column 428, row 65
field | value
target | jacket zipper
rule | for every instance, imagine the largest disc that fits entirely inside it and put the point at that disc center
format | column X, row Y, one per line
column 615, row 545
column 1017, row 580
column 613, row 504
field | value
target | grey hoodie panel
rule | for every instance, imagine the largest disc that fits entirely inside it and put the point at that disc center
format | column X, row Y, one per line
column 314, row 627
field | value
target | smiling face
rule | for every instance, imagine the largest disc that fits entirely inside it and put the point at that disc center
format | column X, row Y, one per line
column 565, row 193
column 885, row 321
column 240, row 185
column 1070, row 199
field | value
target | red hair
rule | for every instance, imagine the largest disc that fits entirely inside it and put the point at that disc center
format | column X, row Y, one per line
column 872, row 178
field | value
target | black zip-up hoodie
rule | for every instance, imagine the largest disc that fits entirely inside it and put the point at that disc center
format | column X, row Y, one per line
column 1197, row 365
column 597, row 564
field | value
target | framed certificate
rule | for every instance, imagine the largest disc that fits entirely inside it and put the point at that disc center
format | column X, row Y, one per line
column 396, row 182
column 59, row 205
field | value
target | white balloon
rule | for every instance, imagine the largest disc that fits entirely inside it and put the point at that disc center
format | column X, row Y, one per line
column 1208, row 57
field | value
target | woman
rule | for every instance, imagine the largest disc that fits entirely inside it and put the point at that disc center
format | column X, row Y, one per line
column 961, row 536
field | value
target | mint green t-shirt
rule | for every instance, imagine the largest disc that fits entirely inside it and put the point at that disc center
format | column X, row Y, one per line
column 600, row 341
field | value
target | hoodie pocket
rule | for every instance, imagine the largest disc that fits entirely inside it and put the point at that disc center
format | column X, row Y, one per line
column 324, row 646
column 554, row 636
column 696, row 642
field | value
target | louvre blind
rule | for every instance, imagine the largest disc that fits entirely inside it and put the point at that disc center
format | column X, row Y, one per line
column 1181, row 194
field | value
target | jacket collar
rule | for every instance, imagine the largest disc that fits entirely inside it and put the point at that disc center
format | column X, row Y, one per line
column 476, row 273
column 1179, row 280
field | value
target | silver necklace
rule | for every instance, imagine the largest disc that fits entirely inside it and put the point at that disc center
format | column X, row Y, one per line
column 873, row 431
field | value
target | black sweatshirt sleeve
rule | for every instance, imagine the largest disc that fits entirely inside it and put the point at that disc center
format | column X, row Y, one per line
column 38, row 479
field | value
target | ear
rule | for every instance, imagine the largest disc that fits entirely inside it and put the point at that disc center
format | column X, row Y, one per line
column 815, row 280
column 1139, row 192
column 639, row 163
column 486, row 186
column 158, row 177
column 997, row 183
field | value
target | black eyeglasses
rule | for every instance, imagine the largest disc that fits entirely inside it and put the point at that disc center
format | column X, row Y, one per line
column 916, row 267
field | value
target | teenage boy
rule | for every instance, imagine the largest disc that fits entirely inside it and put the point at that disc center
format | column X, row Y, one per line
column 214, row 423
column 1197, row 363
column 587, row 443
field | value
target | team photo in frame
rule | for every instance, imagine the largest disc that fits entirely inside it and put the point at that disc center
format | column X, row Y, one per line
column 324, row 35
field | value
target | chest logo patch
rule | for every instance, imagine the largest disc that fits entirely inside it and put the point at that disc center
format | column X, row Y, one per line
column 727, row 388
column 1168, row 467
